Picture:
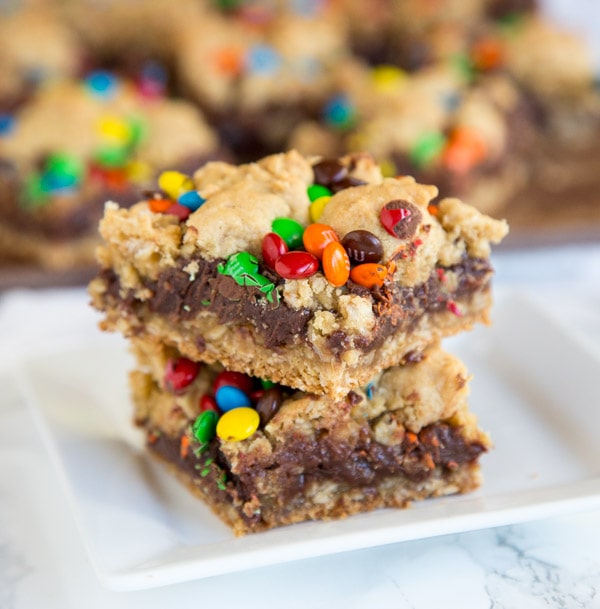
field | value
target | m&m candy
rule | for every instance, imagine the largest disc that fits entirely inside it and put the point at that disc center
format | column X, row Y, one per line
column 238, row 424
column 336, row 264
column 289, row 230
column 273, row 246
column 180, row 373
column 369, row 275
column 297, row 265
column 204, row 427
column 362, row 246
column 317, row 237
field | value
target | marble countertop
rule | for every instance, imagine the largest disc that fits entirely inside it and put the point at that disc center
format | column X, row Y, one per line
column 553, row 562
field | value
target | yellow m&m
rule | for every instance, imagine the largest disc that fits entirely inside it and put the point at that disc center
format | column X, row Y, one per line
column 238, row 424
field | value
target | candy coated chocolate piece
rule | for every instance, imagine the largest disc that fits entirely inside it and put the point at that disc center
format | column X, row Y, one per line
column 289, row 230
column 229, row 397
column 233, row 379
column 191, row 199
column 328, row 171
column 362, row 246
column 316, row 191
column 400, row 218
column 180, row 211
column 238, row 424
column 297, row 265
column 316, row 208
column 207, row 402
column 268, row 404
column 175, row 183
column 273, row 246
column 180, row 373
column 369, row 275
column 204, row 427
column 317, row 237
column 336, row 264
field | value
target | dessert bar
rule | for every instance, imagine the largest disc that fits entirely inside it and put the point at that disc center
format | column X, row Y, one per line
column 263, row 455
column 315, row 273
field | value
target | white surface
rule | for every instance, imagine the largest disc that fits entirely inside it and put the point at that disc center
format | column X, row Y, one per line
column 551, row 562
column 143, row 530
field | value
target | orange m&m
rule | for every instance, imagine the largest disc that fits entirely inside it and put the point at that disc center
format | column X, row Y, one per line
column 369, row 275
column 336, row 263
column 317, row 237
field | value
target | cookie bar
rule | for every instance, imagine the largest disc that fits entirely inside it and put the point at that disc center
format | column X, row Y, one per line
column 74, row 144
column 285, row 456
column 248, row 280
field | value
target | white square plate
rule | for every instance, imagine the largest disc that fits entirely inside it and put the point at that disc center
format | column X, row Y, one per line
column 534, row 388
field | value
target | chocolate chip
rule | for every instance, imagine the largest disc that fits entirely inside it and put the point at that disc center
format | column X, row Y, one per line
column 362, row 246
column 401, row 218
column 328, row 171
column 347, row 182
column 268, row 404
column 354, row 398
column 154, row 194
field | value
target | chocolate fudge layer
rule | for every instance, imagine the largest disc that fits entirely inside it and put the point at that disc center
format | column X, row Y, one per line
column 381, row 271
column 406, row 436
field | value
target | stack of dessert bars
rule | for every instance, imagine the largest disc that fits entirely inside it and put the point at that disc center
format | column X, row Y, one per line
column 286, row 317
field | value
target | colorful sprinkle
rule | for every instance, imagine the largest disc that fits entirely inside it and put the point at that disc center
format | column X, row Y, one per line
column 453, row 308
column 63, row 170
column 184, row 447
column 238, row 424
column 487, row 54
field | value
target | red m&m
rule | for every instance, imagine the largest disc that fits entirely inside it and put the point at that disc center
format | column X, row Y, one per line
column 297, row 265
column 180, row 373
column 273, row 246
